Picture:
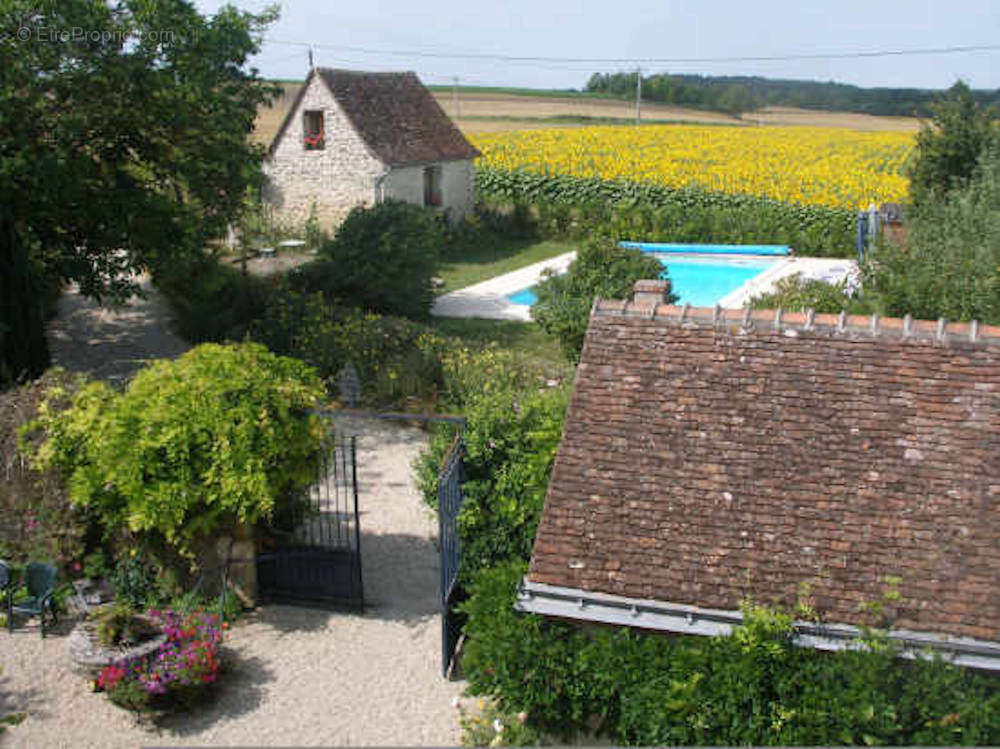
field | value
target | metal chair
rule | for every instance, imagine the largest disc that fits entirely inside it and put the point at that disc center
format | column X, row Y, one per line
column 41, row 584
column 4, row 582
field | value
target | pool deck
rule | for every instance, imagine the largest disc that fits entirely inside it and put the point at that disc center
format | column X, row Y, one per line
column 488, row 299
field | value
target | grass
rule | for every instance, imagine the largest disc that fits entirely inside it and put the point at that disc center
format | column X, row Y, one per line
column 484, row 263
column 526, row 338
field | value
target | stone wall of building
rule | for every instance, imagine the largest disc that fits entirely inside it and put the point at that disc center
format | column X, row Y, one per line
column 457, row 186
column 335, row 179
column 346, row 173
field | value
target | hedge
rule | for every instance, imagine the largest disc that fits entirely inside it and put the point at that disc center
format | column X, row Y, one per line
column 580, row 206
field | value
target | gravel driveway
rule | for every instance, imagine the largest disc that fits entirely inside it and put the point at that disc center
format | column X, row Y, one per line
column 300, row 676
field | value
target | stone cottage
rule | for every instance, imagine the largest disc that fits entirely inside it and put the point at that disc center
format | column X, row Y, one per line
column 354, row 139
column 713, row 454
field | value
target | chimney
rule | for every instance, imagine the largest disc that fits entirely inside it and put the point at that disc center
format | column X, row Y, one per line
column 651, row 292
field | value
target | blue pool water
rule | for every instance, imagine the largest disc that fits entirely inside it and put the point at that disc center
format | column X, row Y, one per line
column 698, row 281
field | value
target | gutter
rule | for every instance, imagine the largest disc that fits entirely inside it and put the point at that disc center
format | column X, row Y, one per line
column 380, row 185
column 661, row 616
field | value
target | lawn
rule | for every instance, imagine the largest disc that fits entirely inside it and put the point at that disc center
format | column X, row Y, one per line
column 485, row 263
column 526, row 338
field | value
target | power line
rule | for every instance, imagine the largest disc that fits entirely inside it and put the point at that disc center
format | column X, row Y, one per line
column 649, row 60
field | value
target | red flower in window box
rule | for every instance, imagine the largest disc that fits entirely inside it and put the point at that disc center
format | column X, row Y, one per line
column 433, row 200
column 314, row 140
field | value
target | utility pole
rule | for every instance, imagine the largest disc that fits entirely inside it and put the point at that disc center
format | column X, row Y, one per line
column 638, row 94
column 454, row 97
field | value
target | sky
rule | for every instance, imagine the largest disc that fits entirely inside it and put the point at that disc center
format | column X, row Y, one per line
column 384, row 34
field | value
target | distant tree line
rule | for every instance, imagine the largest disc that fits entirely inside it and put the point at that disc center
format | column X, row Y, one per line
column 738, row 94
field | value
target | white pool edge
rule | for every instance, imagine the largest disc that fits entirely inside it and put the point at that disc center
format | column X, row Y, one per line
column 488, row 299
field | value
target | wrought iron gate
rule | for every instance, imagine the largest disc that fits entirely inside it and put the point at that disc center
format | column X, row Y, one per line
column 450, row 496
column 450, row 481
column 313, row 553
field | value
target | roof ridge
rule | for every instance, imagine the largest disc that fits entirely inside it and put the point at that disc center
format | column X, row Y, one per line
column 792, row 323
column 349, row 71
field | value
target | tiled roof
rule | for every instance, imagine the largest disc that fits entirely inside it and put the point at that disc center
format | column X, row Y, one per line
column 395, row 115
column 713, row 454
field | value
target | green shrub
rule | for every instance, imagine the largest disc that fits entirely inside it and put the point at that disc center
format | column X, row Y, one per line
column 396, row 359
column 578, row 207
column 118, row 625
column 469, row 374
column 796, row 294
column 213, row 302
column 218, row 436
column 487, row 228
column 753, row 687
column 949, row 265
column 38, row 522
column 601, row 269
column 511, row 439
column 381, row 260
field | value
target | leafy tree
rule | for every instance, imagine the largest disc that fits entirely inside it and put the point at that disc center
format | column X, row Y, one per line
column 123, row 146
column 950, row 145
column 736, row 99
column 949, row 265
column 601, row 269
column 381, row 260
column 219, row 435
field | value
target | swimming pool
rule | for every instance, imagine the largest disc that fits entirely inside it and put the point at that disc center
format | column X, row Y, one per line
column 696, row 279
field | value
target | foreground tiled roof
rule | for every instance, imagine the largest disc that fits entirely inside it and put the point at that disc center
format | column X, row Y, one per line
column 395, row 115
column 713, row 454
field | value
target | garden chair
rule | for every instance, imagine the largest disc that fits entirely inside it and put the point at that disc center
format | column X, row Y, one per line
column 41, row 583
column 4, row 582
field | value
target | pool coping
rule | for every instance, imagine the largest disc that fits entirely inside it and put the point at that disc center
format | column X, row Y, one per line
column 488, row 299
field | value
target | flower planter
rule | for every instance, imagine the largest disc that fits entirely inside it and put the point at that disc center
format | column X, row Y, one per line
column 90, row 656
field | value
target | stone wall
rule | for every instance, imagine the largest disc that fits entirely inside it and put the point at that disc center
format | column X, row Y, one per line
column 336, row 179
column 345, row 173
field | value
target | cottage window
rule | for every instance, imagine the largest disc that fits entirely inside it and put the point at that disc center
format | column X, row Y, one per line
column 312, row 128
column 432, row 185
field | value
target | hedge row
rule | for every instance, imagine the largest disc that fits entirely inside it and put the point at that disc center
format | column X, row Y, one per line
column 579, row 206
column 753, row 687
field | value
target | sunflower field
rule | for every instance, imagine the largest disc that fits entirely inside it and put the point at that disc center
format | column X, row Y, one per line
column 795, row 186
column 806, row 166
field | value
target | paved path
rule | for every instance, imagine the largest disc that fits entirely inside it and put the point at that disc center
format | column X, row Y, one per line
column 301, row 676
column 111, row 344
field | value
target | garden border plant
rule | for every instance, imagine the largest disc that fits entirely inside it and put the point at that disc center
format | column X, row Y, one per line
column 546, row 679
column 195, row 446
